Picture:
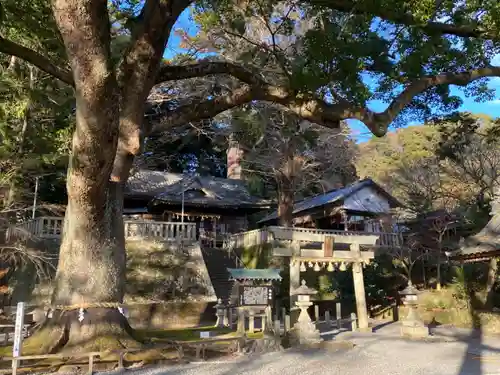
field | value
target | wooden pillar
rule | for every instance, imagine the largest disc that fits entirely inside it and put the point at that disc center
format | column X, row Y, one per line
column 359, row 289
column 294, row 279
column 240, row 328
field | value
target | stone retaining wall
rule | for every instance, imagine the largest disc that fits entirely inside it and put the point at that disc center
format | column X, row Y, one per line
column 171, row 315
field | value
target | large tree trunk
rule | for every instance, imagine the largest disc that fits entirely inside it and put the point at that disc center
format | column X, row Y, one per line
column 92, row 262
column 285, row 202
column 286, row 184
column 91, row 269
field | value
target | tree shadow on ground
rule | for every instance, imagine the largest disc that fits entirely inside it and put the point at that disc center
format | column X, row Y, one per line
column 378, row 327
column 471, row 364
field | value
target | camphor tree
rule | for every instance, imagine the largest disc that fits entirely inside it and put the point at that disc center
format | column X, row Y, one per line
column 113, row 57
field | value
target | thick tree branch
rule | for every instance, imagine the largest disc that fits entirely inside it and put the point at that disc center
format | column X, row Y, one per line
column 328, row 115
column 367, row 8
column 311, row 109
column 205, row 68
column 379, row 122
column 137, row 74
column 41, row 62
column 203, row 110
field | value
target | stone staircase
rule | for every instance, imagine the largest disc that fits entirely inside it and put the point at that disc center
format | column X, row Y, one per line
column 217, row 261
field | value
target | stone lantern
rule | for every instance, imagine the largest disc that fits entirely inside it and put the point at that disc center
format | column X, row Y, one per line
column 412, row 325
column 220, row 312
column 304, row 332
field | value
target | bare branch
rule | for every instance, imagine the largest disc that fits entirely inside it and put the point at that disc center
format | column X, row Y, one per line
column 13, row 49
column 368, row 8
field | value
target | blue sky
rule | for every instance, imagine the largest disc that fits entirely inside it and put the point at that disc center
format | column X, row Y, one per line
column 359, row 131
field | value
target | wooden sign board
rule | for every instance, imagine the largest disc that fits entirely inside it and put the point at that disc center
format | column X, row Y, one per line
column 250, row 295
column 328, row 246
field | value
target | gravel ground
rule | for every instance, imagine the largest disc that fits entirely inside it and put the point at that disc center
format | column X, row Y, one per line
column 382, row 352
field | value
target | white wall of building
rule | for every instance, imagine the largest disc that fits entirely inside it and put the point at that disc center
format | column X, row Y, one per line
column 367, row 199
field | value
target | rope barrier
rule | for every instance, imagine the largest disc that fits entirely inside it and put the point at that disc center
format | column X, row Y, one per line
column 107, row 305
column 88, row 305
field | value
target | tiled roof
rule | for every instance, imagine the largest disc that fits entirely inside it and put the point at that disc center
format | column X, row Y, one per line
column 198, row 190
column 483, row 245
column 254, row 274
column 330, row 197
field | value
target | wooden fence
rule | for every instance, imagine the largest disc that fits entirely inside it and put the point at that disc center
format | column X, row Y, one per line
column 264, row 235
column 52, row 227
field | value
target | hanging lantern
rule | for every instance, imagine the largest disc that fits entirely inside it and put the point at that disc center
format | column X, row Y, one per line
column 342, row 266
column 330, row 267
column 302, row 267
column 317, row 267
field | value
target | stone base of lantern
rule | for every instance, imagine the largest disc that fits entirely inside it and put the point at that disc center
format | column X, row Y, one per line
column 414, row 329
column 365, row 329
column 294, row 315
column 305, row 334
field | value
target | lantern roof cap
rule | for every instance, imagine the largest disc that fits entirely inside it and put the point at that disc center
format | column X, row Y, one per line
column 409, row 290
column 305, row 290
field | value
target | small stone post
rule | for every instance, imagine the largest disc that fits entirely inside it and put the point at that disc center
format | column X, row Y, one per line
column 338, row 314
column 226, row 321
column 287, row 323
column 354, row 323
column 327, row 318
column 316, row 313
column 277, row 328
column 230, row 316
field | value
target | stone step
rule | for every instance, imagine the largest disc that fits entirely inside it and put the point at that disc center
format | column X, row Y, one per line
column 217, row 261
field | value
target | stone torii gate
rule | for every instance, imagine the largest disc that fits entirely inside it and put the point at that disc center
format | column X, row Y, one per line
column 329, row 258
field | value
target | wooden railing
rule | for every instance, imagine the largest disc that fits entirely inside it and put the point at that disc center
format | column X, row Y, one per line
column 246, row 239
column 51, row 227
column 262, row 236
column 160, row 229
